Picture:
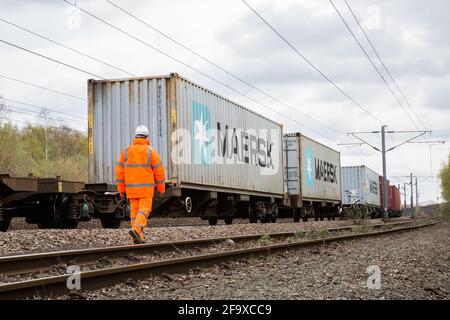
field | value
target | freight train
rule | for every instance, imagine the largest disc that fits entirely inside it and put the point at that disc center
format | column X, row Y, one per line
column 222, row 161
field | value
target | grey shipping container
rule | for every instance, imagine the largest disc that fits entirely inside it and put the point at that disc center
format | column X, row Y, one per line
column 206, row 142
column 360, row 185
column 312, row 170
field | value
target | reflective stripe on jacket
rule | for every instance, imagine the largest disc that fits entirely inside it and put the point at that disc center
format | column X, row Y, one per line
column 139, row 170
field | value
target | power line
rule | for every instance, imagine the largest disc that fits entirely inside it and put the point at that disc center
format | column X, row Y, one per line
column 43, row 125
column 399, row 154
column 67, row 47
column 311, row 64
column 41, row 107
column 34, row 112
column 218, row 66
column 51, row 59
column 193, row 68
column 373, row 64
column 42, row 87
column 384, row 66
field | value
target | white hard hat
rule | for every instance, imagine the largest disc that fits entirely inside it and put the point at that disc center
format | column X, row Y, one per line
column 141, row 131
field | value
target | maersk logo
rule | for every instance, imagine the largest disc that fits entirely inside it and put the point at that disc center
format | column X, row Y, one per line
column 309, row 166
column 201, row 124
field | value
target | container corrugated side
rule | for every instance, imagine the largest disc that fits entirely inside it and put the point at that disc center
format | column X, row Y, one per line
column 202, row 110
column 320, row 171
column 395, row 199
column 169, row 106
column 362, row 183
column 291, row 144
column 115, row 109
column 312, row 170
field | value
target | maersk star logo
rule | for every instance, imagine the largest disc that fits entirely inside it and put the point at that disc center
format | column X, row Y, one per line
column 201, row 125
column 309, row 166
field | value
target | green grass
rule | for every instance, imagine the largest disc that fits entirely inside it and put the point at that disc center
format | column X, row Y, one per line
column 265, row 240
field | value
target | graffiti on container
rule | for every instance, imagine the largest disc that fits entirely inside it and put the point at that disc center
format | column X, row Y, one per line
column 373, row 187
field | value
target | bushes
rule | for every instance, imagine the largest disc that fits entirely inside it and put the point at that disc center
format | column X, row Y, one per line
column 44, row 152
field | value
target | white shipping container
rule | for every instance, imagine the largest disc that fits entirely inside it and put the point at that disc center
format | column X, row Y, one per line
column 312, row 170
column 205, row 141
column 360, row 184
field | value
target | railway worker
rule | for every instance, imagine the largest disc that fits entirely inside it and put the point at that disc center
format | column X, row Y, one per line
column 138, row 171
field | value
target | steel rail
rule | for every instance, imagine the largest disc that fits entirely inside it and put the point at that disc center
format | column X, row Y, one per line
column 27, row 263
column 51, row 286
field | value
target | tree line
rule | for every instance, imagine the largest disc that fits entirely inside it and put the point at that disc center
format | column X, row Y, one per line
column 445, row 183
column 43, row 151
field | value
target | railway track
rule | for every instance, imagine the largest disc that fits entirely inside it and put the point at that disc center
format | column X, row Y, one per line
column 28, row 263
column 54, row 285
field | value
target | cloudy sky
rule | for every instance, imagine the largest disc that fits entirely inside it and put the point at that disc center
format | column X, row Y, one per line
column 410, row 37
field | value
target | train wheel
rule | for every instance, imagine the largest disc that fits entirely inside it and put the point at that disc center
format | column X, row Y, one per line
column 316, row 218
column 228, row 220
column 110, row 223
column 273, row 219
column 321, row 218
column 333, row 217
column 212, row 221
column 305, row 219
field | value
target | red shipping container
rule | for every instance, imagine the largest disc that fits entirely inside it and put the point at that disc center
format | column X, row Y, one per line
column 395, row 203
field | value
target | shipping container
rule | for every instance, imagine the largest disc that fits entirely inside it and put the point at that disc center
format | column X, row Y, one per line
column 206, row 142
column 360, row 185
column 395, row 204
column 312, row 175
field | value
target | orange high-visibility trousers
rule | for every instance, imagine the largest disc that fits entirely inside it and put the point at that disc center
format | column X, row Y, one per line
column 140, row 210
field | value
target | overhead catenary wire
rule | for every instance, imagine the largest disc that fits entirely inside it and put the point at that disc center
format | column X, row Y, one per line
column 43, row 125
column 195, row 69
column 406, row 165
column 377, row 70
column 64, row 124
column 311, row 64
column 67, row 47
column 50, row 59
column 43, row 107
column 216, row 65
column 42, row 87
column 372, row 63
column 39, row 112
column 383, row 64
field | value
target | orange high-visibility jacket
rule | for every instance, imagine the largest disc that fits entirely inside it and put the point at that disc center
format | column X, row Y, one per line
column 139, row 170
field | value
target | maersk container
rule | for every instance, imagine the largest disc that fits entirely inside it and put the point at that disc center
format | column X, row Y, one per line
column 360, row 185
column 312, row 170
column 206, row 141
